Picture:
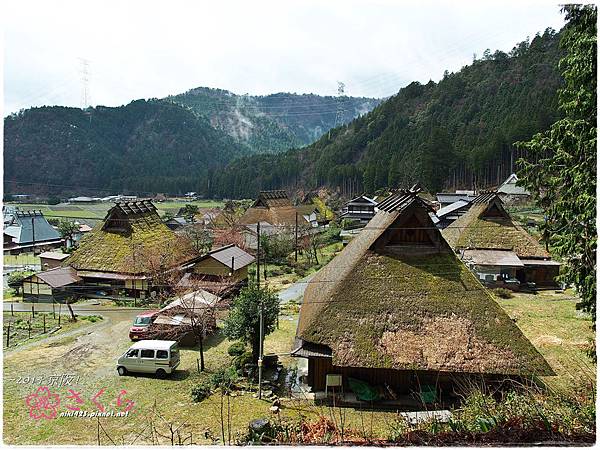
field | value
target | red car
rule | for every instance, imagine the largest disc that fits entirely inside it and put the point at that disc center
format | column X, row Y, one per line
column 140, row 325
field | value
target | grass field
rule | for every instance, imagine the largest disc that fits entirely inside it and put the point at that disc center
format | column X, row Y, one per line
column 41, row 324
column 560, row 332
column 96, row 211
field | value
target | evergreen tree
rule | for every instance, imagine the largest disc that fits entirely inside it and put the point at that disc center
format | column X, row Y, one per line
column 560, row 166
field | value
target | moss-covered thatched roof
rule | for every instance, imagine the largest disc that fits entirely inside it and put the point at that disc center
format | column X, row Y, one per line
column 382, row 303
column 134, row 242
column 478, row 229
column 277, row 215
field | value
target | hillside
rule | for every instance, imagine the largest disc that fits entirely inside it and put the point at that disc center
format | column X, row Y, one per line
column 455, row 133
column 145, row 146
column 273, row 123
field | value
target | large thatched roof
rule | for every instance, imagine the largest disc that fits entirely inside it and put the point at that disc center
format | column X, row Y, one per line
column 132, row 239
column 487, row 225
column 397, row 297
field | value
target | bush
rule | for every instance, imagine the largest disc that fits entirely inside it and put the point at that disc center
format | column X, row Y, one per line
column 201, row 391
column 240, row 361
column 503, row 293
column 236, row 349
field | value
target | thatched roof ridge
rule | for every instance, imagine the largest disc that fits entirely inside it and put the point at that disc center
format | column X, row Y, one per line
column 474, row 230
column 126, row 242
column 410, row 308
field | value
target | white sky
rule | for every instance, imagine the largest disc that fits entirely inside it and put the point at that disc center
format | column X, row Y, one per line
column 143, row 49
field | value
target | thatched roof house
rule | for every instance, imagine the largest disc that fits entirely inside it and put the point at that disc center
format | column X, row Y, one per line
column 488, row 228
column 274, row 207
column 128, row 247
column 397, row 307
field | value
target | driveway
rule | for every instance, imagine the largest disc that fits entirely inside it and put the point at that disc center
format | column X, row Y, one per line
column 295, row 291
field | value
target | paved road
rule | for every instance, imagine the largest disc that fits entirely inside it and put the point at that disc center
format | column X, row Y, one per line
column 83, row 309
column 295, row 291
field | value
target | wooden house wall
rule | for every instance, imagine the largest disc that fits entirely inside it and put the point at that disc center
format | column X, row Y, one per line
column 211, row 266
column 542, row 275
column 34, row 289
column 401, row 381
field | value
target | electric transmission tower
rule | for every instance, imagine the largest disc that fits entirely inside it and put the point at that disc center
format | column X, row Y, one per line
column 339, row 113
column 85, row 83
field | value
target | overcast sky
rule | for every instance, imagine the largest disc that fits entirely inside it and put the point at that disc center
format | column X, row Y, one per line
column 142, row 49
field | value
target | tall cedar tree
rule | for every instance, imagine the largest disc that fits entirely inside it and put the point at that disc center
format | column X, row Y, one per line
column 560, row 167
column 243, row 321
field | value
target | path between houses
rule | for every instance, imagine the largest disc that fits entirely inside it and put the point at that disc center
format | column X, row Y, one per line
column 295, row 291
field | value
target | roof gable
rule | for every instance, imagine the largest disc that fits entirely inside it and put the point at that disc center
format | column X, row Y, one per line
column 487, row 225
column 270, row 199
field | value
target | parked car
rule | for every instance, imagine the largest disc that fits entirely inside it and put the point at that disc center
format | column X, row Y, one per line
column 149, row 356
column 141, row 323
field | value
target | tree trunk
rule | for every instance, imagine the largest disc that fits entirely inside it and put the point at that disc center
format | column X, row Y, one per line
column 201, row 354
column 71, row 311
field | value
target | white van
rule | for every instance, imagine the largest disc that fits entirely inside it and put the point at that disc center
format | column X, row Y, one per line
column 149, row 356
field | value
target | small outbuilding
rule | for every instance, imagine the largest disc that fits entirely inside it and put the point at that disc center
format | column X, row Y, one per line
column 52, row 260
column 51, row 285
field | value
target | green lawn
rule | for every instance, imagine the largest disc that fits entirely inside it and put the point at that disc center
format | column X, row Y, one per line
column 560, row 332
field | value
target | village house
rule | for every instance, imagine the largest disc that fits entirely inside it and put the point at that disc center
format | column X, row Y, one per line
column 57, row 284
column 29, row 231
column 498, row 250
column 511, row 193
column 130, row 247
column 360, row 209
column 275, row 208
column 221, row 271
column 397, row 313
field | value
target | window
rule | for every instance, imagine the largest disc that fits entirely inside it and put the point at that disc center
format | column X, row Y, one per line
column 132, row 353
column 147, row 353
column 142, row 320
column 162, row 354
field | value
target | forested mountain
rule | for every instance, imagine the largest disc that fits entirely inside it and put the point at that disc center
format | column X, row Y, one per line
column 455, row 133
column 145, row 146
column 458, row 132
column 273, row 123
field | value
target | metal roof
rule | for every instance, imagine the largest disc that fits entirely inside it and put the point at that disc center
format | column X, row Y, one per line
column 59, row 277
column 492, row 258
column 225, row 254
column 451, row 208
column 30, row 223
column 54, row 255
column 510, row 187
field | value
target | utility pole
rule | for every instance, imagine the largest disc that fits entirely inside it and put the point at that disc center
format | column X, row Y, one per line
column 260, row 347
column 296, row 240
column 33, row 233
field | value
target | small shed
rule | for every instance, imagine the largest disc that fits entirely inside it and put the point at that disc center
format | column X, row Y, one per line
column 51, row 285
column 178, row 319
column 52, row 260
column 229, row 261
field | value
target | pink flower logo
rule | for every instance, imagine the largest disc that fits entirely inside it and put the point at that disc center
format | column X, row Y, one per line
column 42, row 404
